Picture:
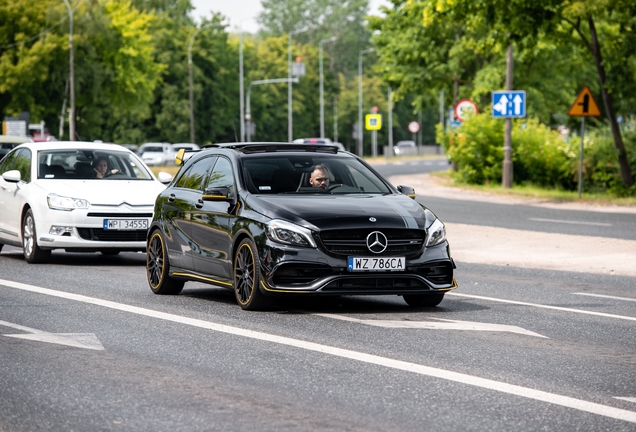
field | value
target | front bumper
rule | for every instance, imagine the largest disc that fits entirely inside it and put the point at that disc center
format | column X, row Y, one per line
column 86, row 231
column 289, row 270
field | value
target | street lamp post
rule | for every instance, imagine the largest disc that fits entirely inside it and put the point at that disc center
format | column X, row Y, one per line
column 71, row 119
column 241, row 86
column 361, row 128
column 190, row 42
column 290, row 118
column 248, row 112
column 322, row 87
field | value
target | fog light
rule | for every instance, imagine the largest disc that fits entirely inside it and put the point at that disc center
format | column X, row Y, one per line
column 60, row 230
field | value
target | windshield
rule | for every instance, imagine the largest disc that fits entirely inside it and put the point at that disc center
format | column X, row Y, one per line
column 85, row 164
column 296, row 173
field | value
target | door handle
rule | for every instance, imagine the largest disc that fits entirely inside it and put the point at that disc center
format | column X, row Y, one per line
column 199, row 203
column 172, row 197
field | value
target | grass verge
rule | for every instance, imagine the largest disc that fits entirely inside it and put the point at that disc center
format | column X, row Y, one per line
column 534, row 192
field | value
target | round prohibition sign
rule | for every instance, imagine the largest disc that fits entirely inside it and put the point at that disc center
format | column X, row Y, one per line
column 414, row 127
column 464, row 109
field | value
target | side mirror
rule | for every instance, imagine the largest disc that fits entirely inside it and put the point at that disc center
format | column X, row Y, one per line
column 164, row 177
column 12, row 176
column 219, row 193
column 407, row 190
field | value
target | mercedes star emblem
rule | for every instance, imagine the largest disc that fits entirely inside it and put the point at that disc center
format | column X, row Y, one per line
column 377, row 242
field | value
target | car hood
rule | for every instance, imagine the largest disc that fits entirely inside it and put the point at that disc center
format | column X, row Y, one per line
column 345, row 211
column 107, row 192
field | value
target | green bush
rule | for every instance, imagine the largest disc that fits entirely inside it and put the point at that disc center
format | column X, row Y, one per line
column 540, row 155
column 601, row 171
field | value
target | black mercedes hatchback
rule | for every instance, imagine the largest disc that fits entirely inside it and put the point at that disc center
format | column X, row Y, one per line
column 274, row 219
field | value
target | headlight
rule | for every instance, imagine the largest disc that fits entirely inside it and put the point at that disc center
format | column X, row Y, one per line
column 436, row 233
column 289, row 234
column 57, row 202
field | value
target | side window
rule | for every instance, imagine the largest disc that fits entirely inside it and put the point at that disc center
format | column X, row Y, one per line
column 8, row 163
column 23, row 164
column 193, row 178
column 222, row 175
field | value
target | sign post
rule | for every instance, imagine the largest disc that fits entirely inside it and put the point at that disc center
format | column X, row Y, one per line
column 373, row 122
column 508, row 104
column 583, row 106
column 414, row 127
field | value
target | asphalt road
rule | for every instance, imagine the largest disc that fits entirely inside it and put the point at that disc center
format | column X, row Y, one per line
column 94, row 349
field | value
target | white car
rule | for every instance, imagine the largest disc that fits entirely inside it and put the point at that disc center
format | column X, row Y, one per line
column 154, row 154
column 51, row 198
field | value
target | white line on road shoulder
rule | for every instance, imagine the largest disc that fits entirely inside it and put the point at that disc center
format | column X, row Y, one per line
column 565, row 401
column 628, row 399
column 559, row 308
column 607, row 296
column 570, row 222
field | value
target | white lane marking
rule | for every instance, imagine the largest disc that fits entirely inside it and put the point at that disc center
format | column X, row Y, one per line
column 77, row 340
column 539, row 395
column 429, row 325
column 606, row 315
column 607, row 296
column 570, row 222
column 628, row 399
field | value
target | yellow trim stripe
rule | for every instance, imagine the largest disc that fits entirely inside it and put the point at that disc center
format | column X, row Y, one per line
column 201, row 277
column 282, row 291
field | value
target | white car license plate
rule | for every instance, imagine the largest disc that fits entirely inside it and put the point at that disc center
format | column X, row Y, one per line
column 125, row 224
column 375, row 264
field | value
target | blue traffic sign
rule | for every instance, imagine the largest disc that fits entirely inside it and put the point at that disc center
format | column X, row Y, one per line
column 509, row 104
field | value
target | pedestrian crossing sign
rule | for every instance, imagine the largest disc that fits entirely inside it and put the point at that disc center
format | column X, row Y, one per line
column 373, row 122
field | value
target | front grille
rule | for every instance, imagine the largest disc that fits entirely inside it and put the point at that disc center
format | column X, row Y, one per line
column 99, row 234
column 376, row 284
column 353, row 242
column 120, row 215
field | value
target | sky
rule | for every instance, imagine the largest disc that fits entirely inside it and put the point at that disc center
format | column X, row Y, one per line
column 243, row 12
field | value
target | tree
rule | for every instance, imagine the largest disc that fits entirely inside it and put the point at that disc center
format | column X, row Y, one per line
column 598, row 24
column 323, row 19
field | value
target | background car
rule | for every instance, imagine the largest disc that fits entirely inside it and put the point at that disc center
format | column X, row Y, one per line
column 8, row 142
column 320, row 141
column 405, row 148
column 244, row 216
column 187, row 146
column 51, row 199
column 156, row 154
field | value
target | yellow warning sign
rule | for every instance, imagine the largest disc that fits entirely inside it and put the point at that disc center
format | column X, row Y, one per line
column 584, row 105
column 373, row 121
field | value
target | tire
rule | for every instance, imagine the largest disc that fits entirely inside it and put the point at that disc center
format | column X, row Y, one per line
column 158, row 268
column 424, row 300
column 32, row 252
column 110, row 252
column 1, row 247
column 247, row 277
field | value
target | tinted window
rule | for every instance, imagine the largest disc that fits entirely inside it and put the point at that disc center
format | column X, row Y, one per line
column 290, row 173
column 222, row 175
column 194, row 176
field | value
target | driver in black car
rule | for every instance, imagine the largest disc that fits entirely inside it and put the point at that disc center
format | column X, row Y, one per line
column 320, row 177
column 101, row 168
